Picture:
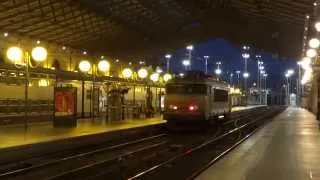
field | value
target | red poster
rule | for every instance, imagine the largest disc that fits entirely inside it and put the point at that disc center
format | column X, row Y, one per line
column 65, row 101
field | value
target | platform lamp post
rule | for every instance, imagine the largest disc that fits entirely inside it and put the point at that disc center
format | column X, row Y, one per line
column 260, row 76
column 189, row 51
column 238, row 78
column 218, row 71
column 206, row 63
column 245, row 56
column 298, row 83
column 246, row 74
column 260, row 67
column 143, row 74
column 85, row 67
column 23, row 59
column 168, row 57
column 154, row 77
column 266, row 88
column 288, row 74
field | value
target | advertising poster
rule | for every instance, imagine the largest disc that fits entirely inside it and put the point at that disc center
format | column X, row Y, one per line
column 65, row 99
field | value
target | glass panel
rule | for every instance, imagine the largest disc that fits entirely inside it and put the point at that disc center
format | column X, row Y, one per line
column 220, row 95
column 186, row 89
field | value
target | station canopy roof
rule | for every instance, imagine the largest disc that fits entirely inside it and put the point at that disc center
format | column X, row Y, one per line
column 147, row 28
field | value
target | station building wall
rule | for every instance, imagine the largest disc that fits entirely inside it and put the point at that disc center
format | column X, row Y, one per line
column 17, row 92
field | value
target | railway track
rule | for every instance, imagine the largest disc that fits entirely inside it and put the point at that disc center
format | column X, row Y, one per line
column 153, row 157
column 193, row 161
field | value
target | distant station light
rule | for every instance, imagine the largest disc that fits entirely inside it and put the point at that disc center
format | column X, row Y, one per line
column 64, row 47
column 154, row 77
column 246, row 75
column 84, row 52
column 186, row 62
column 311, row 53
column 141, row 62
column 167, row 77
column 159, row 70
column 245, row 47
column 317, row 26
column 142, row 73
column 305, row 63
column 38, row 41
column 246, row 55
column 127, row 73
column 190, row 47
column 314, row 43
column 290, row 72
column 5, row 34
column 218, row 71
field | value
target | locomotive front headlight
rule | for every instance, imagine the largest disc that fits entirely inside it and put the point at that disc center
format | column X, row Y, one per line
column 193, row 108
column 173, row 107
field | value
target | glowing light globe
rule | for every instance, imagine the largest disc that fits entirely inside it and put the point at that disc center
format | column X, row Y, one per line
column 15, row 54
column 127, row 73
column 218, row 71
column 154, row 77
column 311, row 53
column 246, row 75
column 84, row 66
column 39, row 54
column 167, row 77
column 142, row 73
column 317, row 26
column 314, row 43
column 104, row 66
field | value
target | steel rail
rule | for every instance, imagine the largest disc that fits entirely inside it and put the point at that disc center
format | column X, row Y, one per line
column 192, row 150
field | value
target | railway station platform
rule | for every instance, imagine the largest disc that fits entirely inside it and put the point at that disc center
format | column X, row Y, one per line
column 288, row 148
column 37, row 132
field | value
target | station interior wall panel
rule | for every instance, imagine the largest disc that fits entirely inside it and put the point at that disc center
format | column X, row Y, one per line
column 46, row 93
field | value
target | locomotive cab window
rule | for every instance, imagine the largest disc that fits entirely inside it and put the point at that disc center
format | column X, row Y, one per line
column 186, row 89
column 220, row 95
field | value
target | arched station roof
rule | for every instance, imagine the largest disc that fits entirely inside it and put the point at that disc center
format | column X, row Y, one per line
column 146, row 28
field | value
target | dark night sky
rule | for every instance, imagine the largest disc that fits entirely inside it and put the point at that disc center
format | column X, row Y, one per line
column 230, row 56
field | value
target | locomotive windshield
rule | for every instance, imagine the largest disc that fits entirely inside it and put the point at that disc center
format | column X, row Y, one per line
column 186, row 89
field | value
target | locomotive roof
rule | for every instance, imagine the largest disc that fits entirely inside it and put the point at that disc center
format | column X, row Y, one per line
column 196, row 77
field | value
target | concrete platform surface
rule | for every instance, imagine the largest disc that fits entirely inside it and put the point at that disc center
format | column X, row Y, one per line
column 287, row 148
column 17, row 134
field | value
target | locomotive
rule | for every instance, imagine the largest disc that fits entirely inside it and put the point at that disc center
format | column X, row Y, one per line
column 196, row 97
